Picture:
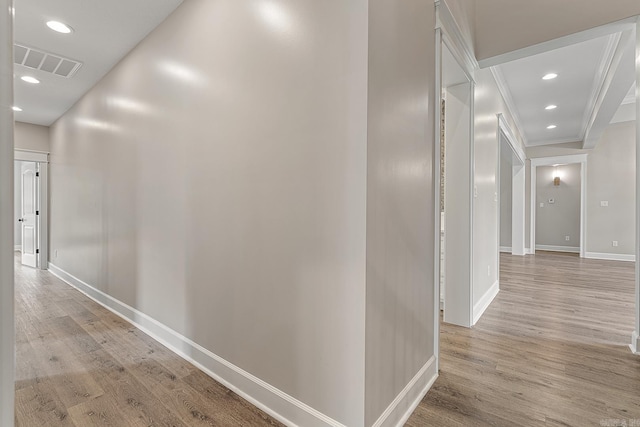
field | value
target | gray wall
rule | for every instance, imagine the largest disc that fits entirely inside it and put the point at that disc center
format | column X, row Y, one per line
column 488, row 103
column 215, row 179
column 555, row 221
column 400, row 238
column 234, row 196
column 611, row 177
column 31, row 137
column 17, row 200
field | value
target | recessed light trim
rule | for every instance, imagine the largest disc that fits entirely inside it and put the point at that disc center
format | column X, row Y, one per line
column 552, row 127
column 551, row 107
column 59, row 27
column 30, row 79
column 18, row 109
column 549, row 76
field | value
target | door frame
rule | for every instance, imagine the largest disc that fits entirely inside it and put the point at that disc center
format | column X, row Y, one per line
column 549, row 161
column 42, row 221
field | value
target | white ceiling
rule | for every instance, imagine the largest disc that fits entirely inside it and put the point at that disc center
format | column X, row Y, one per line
column 593, row 78
column 104, row 32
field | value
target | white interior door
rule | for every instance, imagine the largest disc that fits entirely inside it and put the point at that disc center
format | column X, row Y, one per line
column 29, row 219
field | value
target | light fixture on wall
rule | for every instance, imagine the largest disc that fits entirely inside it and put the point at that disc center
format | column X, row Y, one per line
column 556, row 177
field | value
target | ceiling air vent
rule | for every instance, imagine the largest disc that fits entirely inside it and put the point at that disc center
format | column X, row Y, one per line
column 44, row 61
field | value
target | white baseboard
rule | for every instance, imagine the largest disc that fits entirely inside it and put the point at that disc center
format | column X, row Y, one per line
column 484, row 302
column 552, row 248
column 612, row 257
column 399, row 411
column 505, row 249
column 635, row 343
column 528, row 251
column 17, row 248
column 271, row 400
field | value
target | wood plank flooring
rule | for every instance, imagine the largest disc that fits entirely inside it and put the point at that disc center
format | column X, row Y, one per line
column 551, row 350
column 77, row 364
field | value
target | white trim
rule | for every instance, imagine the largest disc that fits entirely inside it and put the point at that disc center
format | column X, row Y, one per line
column 541, row 142
column 460, row 47
column 511, row 138
column 528, row 251
column 273, row 401
column 609, row 256
column 17, row 248
column 635, row 343
column 483, row 303
column 604, row 74
column 506, row 249
column 548, row 161
column 30, row 156
column 503, row 88
column 553, row 248
column 593, row 33
column 438, row 303
column 399, row 411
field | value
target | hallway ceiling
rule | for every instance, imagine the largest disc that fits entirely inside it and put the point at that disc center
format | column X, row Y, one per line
column 593, row 79
column 104, row 32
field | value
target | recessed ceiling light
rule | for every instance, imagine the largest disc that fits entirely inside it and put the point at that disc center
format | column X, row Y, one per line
column 59, row 27
column 551, row 107
column 30, row 79
column 552, row 127
column 549, row 76
column 14, row 108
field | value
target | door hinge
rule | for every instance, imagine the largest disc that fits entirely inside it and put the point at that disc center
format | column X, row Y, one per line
column 37, row 173
column 37, row 212
column 37, row 251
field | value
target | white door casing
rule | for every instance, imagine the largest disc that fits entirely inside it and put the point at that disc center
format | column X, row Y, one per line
column 29, row 218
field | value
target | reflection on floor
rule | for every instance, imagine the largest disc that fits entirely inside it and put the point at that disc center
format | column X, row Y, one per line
column 77, row 364
column 551, row 350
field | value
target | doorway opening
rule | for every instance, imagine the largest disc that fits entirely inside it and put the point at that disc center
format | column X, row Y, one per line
column 30, row 208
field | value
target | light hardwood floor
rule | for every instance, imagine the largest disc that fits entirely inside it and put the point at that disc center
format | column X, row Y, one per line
column 551, row 350
column 77, row 364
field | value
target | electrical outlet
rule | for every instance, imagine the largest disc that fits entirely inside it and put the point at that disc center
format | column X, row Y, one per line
column 489, row 270
column 542, row 204
column 566, row 238
column 614, row 243
column 604, row 203
column 475, row 191
column 551, row 201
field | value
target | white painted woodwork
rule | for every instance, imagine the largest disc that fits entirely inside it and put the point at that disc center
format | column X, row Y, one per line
column 635, row 337
column 28, row 218
column 7, row 392
column 458, row 204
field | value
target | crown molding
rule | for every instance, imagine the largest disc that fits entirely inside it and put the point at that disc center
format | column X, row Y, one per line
column 501, row 82
column 460, row 46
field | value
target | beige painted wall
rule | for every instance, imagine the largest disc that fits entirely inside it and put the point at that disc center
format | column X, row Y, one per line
column 400, row 241
column 506, row 25
column 506, row 187
column 488, row 103
column 611, row 177
column 555, row 221
column 31, row 137
column 215, row 179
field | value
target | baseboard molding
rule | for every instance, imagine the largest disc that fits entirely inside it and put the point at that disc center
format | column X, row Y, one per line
column 528, row 251
column 612, row 257
column 635, row 343
column 552, row 248
column 399, row 411
column 505, row 249
column 17, row 248
column 271, row 400
column 484, row 302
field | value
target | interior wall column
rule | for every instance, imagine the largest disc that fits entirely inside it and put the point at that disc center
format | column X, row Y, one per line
column 6, row 216
column 635, row 339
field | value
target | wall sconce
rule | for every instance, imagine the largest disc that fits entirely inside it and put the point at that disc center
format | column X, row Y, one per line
column 556, row 181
